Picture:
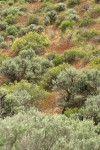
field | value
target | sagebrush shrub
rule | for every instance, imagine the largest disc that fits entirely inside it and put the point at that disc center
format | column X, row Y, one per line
column 77, row 83
column 4, row 45
column 60, row 7
column 50, row 75
column 91, row 109
column 50, row 17
column 34, row 130
column 25, row 66
column 12, row 30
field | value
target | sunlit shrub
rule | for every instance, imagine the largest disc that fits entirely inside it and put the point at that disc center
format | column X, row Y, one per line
column 66, row 25
column 31, row 40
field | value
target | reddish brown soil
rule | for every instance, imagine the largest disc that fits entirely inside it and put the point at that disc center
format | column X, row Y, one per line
column 34, row 5
column 79, row 65
column 60, row 46
column 95, row 26
column 2, row 78
column 23, row 20
column 48, row 106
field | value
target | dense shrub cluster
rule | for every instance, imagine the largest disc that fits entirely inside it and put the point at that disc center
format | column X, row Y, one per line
column 27, row 65
column 31, row 40
column 51, row 74
column 42, row 42
column 34, row 130
column 77, row 85
column 20, row 96
column 91, row 109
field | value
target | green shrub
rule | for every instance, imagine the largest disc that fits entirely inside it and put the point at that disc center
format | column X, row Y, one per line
column 85, row 22
column 35, row 28
column 2, row 57
column 73, row 2
column 73, row 55
column 14, row 10
column 72, row 16
column 1, row 38
column 3, row 25
column 50, row 75
column 69, row 111
column 11, row 30
column 11, row 37
column 19, row 96
column 85, row 34
column 61, row 17
column 22, row 31
column 10, row 19
column 58, row 59
column 32, row 1
column 73, row 82
column 31, row 40
column 39, row 29
column 50, row 17
column 25, row 66
column 10, row 2
column 66, row 25
column 91, row 109
column 69, row 15
column 34, row 130
column 33, row 19
column 95, row 63
column 60, row 7
column 51, row 56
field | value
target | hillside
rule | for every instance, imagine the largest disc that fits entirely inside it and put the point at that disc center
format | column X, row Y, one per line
column 49, row 74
